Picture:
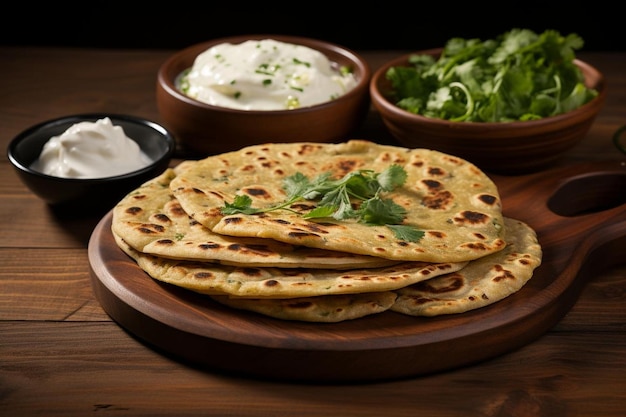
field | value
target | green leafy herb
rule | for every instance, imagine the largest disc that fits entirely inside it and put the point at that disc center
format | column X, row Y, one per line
column 345, row 70
column 408, row 233
column 520, row 75
column 336, row 197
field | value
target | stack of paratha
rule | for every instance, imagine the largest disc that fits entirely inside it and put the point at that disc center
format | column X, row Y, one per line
column 286, row 266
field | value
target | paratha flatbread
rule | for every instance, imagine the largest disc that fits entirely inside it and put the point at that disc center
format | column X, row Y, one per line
column 322, row 309
column 249, row 282
column 482, row 282
column 151, row 220
column 451, row 200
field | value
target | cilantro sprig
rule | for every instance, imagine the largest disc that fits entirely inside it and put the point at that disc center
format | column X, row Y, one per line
column 336, row 197
column 519, row 75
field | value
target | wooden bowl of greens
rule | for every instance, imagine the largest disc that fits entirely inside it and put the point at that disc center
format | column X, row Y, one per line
column 511, row 105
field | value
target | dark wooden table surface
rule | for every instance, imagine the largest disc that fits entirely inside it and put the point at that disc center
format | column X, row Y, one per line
column 61, row 354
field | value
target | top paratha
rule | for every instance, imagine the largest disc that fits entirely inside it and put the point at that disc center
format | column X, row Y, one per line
column 150, row 220
column 454, row 202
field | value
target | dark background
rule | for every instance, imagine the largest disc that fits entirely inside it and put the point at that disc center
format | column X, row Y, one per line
column 382, row 25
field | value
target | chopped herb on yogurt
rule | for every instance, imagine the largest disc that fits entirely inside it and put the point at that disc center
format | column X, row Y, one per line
column 269, row 74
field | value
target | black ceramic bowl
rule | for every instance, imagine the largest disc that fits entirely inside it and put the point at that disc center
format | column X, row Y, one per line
column 155, row 141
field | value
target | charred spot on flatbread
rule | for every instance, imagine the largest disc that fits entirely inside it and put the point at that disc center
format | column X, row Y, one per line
column 285, row 266
column 151, row 220
column 323, row 309
column 445, row 196
column 482, row 282
column 282, row 283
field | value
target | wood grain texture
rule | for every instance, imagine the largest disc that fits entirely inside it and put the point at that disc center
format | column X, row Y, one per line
column 572, row 374
column 387, row 345
column 61, row 354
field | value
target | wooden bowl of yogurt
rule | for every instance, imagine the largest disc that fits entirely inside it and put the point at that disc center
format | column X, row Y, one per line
column 227, row 93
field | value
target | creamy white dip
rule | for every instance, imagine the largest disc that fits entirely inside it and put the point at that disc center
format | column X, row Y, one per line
column 265, row 75
column 91, row 150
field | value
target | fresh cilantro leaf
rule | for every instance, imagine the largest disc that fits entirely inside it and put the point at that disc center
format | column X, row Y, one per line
column 296, row 184
column 377, row 211
column 241, row 204
column 577, row 98
column 336, row 198
column 519, row 75
column 391, row 178
column 407, row 233
column 321, row 212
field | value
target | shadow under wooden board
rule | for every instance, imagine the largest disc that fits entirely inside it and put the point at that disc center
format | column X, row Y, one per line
column 578, row 212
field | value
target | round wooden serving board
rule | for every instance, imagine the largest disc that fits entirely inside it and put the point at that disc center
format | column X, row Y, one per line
column 579, row 214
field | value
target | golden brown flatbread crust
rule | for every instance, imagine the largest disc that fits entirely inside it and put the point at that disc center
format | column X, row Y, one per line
column 451, row 200
column 151, row 220
column 482, row 282
column 322, row 309
column 283, row 266
column 251, row 282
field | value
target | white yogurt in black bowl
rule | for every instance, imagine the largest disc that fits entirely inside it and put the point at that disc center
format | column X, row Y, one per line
column 82, row 167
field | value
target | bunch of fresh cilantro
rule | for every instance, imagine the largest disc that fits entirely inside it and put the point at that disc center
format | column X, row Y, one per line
column 520, row 75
